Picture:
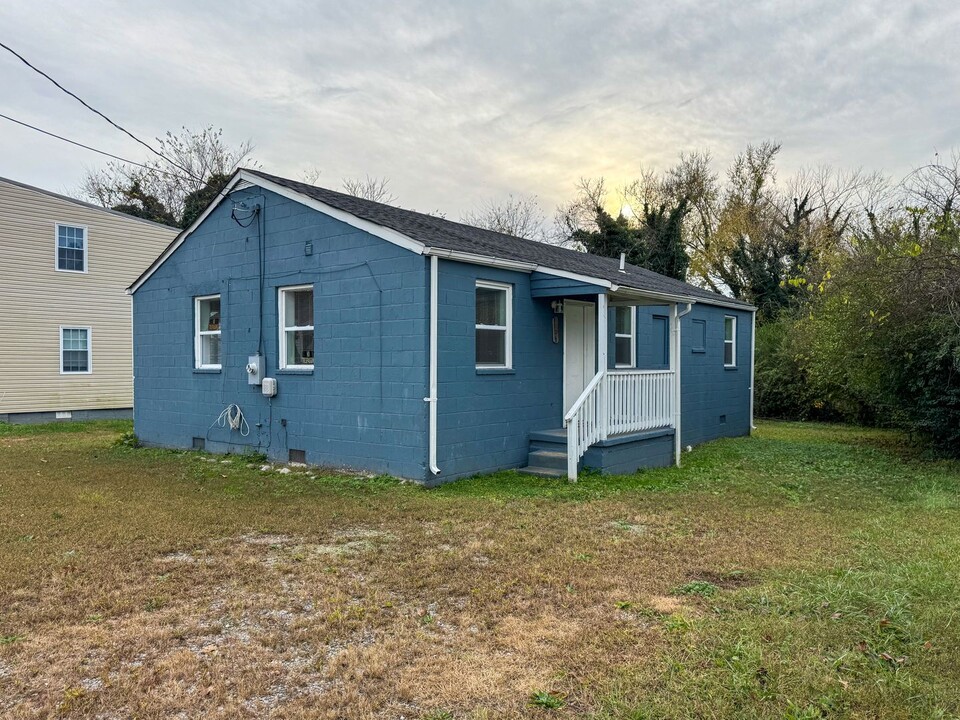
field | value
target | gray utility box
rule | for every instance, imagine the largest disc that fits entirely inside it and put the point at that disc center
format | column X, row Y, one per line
column 255, row 369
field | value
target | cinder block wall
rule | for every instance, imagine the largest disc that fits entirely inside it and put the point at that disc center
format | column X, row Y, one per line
column 485, row 417
column 715, row 401
column 361, row 406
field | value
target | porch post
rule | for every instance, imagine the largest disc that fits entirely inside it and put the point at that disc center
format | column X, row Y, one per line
column 602, row 305
column 675, row 368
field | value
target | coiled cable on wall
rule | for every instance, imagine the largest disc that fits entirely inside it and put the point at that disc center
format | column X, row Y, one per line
column 232, row 417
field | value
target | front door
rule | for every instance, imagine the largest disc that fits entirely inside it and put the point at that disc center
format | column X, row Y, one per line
column 579, row 349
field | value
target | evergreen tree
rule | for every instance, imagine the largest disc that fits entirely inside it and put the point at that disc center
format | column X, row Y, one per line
column 139, row 203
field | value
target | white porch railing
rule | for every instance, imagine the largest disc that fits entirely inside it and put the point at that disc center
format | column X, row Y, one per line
column 638, row 400
column 615, row 402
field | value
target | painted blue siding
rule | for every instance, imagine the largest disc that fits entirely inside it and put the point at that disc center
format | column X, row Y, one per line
column 715, row 401
column 362, row 405
column 485, row 417
column 543, row 285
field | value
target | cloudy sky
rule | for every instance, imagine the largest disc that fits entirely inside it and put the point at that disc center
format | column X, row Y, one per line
column 460, row 101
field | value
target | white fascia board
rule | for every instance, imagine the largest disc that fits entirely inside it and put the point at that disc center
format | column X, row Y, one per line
column 474, row 259
column 719, row 302
column 242, row 180
column 179, row 239
column 518, row 265
column 577, row 276
column 627, row 292
column 729, row 305
column 384, row 233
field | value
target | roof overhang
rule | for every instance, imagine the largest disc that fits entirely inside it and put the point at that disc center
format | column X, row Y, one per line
column 243, row 179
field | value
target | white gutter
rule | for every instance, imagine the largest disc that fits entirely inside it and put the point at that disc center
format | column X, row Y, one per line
column 677, row 359
column 434, row 324
column 480, row 259
column 753, row 361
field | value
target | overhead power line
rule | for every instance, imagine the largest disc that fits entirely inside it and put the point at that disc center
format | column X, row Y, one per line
column 92, row 109
column 85, row 147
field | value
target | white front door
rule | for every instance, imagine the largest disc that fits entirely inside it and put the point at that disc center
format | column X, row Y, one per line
column 579, row 349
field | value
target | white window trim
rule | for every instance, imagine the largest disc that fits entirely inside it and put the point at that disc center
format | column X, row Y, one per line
column 199, row 334
column 632, row 336
column 508, row 357
column 89, row 369
column 281, row 324
column 56, row 248
column 733, row 342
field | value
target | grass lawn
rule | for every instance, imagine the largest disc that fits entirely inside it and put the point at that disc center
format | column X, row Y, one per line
column 809, row 571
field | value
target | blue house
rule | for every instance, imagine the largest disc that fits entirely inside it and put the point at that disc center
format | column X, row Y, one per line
column 319, row 327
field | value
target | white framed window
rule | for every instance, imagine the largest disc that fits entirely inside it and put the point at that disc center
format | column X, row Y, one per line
column 296, row 327
column 76, row 355
column 494, row 325
column 729, row 341
column 71, row 248
column 625, row 337
column 206, row 311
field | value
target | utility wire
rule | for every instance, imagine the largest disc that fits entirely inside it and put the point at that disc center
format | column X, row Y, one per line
column 86, row 147
column 91, row 108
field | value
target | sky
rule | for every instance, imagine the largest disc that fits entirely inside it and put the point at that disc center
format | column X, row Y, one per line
column 461, row 102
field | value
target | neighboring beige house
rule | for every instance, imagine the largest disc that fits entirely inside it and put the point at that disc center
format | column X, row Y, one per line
column 65, row 318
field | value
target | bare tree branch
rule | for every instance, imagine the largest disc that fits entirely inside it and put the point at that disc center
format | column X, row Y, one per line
column 375, row 189
column 517, row 215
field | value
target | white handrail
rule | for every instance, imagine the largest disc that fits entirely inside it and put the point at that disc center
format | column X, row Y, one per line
column 585, row 423
column 583, row 396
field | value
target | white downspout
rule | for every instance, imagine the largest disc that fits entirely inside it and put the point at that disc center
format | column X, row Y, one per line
column 434, row 324
column 676, row 356
column 753, row 361
column 602, row 321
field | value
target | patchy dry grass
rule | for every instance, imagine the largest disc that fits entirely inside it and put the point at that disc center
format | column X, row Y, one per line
column 810, row 571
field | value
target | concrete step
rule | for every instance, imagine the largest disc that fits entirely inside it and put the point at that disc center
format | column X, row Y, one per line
column 543, row 472
column 554, row 435
column 556, row 459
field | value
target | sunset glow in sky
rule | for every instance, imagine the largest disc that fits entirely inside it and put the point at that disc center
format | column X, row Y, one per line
column 458, row 102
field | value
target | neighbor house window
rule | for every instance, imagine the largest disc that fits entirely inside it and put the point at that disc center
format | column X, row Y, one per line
column 729, row 341
column 296, row 328
column 71, row 248
column 75, row 354
column 207, row 336
column 625, row 330
column 494, row 321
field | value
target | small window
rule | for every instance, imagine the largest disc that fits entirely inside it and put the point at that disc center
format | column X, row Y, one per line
column 207, row 313
column 75, row 356
column 729, row 341
column 71, row 248
column 296, row 328
column 625, row 324
column 660, row 348
column 699, row 336
column 494, row 321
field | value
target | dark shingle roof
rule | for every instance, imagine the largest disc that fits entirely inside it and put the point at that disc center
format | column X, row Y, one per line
column 436, row 232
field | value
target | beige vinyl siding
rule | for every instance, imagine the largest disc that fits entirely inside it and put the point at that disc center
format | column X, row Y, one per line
column 36, row 301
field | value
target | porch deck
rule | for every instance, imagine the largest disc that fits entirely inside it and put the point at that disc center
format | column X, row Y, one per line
column 618, row 453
